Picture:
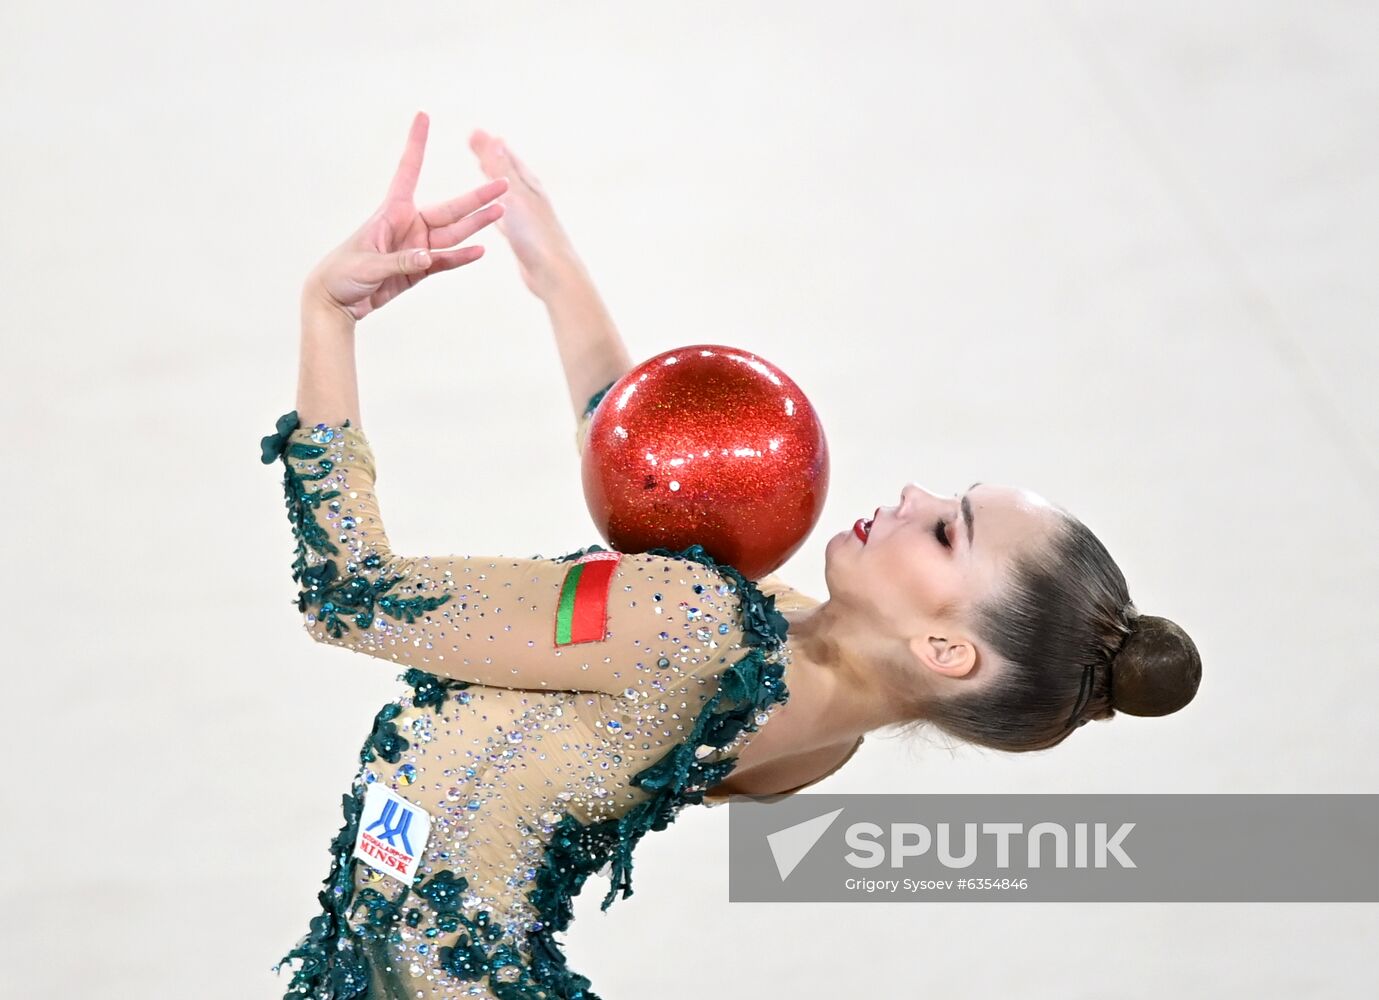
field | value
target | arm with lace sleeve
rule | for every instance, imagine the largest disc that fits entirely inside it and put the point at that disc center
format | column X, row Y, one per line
column 592, row 621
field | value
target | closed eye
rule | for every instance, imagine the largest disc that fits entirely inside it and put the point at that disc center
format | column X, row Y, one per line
column 941, row 533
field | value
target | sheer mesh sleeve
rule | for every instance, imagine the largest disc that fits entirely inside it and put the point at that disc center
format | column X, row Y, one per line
column 595, row 620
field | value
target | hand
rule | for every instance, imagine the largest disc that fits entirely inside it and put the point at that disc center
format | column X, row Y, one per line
column 543, row 250
column 379, row 262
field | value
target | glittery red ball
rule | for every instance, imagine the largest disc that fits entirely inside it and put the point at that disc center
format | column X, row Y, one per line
column 707, row 445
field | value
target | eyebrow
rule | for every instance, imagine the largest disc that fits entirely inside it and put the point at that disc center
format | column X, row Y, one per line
column 967, row 512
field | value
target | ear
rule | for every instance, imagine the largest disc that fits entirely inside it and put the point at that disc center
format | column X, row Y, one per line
column 952, row 657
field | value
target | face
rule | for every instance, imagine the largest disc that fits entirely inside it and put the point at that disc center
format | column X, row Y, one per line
column 926, row 552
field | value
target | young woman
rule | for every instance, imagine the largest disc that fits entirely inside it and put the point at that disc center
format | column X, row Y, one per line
column 553, row 711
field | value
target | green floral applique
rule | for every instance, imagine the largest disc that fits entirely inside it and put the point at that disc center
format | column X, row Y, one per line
column 273, row 445
column 385, row 740
column 480, row 950
column 383, row 913
column 430, row 691
column 359, row 596
column 481, row 953
column 356, row 595
column 332, row 962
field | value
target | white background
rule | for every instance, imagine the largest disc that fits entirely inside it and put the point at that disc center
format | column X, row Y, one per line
column 1120, row 254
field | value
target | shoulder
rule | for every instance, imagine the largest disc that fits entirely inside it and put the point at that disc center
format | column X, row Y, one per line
column 701, row 585
column 687, row 586
column 700, row 618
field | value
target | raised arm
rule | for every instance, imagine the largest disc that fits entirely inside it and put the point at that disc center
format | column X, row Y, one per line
column 611, row 624
column 591, row 350
column 393, row 250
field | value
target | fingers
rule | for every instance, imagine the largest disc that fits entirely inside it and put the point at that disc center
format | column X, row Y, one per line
column 367, row 271
column 445, row 260
column 486, row 148
column 460, row 230
column 497, row 160
column 404, row 183
column 444, row 213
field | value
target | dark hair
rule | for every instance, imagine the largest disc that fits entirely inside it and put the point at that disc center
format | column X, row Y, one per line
column 1063, row 618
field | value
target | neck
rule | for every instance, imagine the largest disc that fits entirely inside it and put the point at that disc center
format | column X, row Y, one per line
column 835, row 687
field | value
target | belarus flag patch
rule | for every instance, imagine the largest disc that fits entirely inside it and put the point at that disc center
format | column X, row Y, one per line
column 582, row 615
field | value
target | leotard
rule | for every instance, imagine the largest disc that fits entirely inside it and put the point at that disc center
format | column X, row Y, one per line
column 551, row 712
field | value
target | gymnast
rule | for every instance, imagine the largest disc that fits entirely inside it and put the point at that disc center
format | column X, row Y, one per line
column 552, row 711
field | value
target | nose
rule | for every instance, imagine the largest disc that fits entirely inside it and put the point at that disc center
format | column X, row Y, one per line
column 912, row 497
column 910, row 494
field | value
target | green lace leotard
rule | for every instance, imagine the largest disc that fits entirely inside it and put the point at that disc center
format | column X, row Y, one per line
column 551, row 712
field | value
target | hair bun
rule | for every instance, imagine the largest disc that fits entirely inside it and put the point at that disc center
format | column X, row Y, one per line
column 1158, row 669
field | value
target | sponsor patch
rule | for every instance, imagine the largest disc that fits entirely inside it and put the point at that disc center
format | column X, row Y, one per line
column 392, row 833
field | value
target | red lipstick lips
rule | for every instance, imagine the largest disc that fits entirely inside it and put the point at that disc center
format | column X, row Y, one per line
column 862, row 527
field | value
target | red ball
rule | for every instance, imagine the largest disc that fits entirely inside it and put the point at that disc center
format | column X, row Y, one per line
column 707, row 445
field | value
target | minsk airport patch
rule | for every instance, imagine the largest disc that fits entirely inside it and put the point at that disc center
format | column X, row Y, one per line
column 392, row 833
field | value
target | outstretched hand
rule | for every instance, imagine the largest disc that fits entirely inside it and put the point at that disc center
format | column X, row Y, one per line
column 544, row 253
column 400, row 244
